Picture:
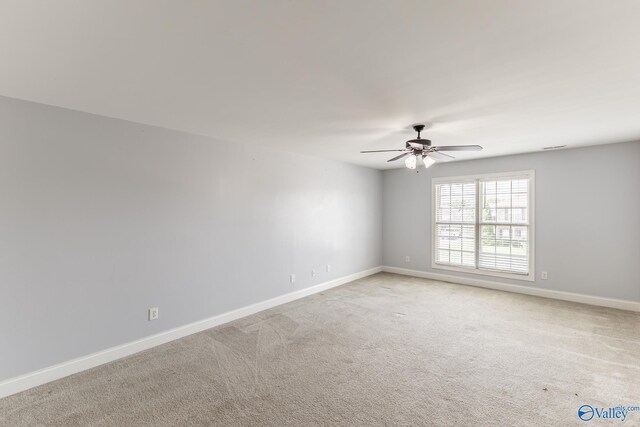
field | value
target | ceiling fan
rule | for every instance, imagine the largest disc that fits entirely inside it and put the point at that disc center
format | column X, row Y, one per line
column 422, row 148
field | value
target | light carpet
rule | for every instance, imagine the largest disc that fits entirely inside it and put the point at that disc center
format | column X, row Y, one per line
column 384, row 350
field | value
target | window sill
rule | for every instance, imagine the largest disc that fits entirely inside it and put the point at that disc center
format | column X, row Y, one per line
column 526, row 277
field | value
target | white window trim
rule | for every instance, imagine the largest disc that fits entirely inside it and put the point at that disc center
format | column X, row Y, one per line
column 532, row 185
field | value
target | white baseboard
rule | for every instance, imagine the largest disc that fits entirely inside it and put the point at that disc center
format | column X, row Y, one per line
column 24, row 382
column 27, row 381
column 519, row 289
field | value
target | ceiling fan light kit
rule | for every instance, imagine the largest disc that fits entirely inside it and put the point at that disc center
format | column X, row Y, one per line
column 420, row 147
column 428, row 161
column 411, row 161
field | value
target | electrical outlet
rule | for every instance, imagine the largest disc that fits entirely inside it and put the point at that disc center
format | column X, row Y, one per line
column 292, row 278
column 544, row 275
column 328, row 268
column 313, row 273
column 153, row 313
column 407, row 259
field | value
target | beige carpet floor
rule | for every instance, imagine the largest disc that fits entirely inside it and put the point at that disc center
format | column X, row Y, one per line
column 384, row 350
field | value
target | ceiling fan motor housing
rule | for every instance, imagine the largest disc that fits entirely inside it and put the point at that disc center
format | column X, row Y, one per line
column 425, row 142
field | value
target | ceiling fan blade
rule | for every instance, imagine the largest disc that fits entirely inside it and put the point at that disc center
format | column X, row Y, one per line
column 399, row 157
column 440, row 156
column 458, row 148
column 380, row 151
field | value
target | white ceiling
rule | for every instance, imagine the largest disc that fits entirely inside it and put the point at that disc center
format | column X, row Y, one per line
column 332, row 78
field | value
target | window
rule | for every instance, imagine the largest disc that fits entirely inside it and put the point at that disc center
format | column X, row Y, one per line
column 483, row 224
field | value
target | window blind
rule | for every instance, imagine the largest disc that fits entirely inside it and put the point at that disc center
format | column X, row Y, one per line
column 504, row 225
column 456, row 223
column 482, row 223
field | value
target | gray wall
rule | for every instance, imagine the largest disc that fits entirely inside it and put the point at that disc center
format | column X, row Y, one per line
column 587, row 226
column 101, row 219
